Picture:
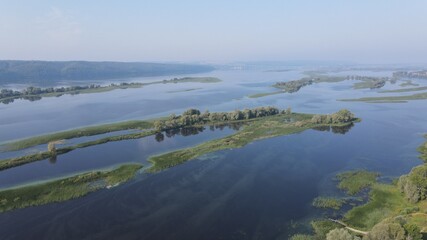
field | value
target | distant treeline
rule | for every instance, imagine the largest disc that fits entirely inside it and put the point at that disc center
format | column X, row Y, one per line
column 405, row 74
column 46, row 72
column 36, row 93
column 294, row 86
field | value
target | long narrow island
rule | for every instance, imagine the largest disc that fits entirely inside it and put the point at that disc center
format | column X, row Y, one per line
column 36, row 93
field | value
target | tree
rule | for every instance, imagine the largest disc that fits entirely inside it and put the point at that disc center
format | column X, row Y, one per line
column 51, row 148
column 191, row 111
column 413, row 232
column 316, row 119
column 340, row 234
column 386, row 231
column 159, row 125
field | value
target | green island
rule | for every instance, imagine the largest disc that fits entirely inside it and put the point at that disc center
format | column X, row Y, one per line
column 365, row 82
column 408, row 83
column 259, row 95
column 394, row 211
column 388, row 99
column 36, row 93
column 66, row 188
column 75, row 133
column 272, row 123
column 405, row 90
column 53, row 152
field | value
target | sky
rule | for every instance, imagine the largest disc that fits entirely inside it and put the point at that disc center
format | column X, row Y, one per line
column 363, row 31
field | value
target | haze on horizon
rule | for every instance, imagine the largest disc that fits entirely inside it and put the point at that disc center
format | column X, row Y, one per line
column 383, row 31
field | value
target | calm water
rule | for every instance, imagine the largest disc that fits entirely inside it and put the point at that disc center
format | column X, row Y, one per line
column 261, row 191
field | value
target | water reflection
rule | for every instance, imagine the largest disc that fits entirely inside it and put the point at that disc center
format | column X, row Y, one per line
column 335, row 129
column 189, row 131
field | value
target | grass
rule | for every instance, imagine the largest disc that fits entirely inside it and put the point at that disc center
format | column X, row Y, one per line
column 389, row 99
column 354, row 181
column 405, row 90
column 259, row 128
column 64, row 189
column 384, row 201
column 328, row 202
column 75, row 133
column 15, row 162
column 258, row 95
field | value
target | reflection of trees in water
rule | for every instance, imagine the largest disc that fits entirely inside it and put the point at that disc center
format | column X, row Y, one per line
column 30, row 98
column 189, row 131
column 52, row 159
column 335, row 129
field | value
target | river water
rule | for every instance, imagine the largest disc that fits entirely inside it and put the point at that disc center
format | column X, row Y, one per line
column 261, row 191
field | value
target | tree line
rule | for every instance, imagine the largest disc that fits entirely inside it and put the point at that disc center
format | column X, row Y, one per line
column 342, row 116
column 194, row 117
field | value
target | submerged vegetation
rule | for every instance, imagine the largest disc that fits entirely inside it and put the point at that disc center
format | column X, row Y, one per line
column 64, row 189
column 354, row 181
column 394, row 211
column 328, row 202
column 36, row 93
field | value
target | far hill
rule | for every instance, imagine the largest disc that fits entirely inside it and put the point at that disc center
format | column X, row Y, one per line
column 48, row 72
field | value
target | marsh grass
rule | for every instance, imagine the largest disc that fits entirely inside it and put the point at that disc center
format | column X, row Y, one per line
column 354, row 181
column 64, row 189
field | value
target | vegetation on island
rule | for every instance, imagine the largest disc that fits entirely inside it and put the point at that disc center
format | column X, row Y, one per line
column 65, row 189
column 293, row 86
column 264, row 123
column 53, row 151
column 328, row 202
column 388, row 99
column 76, row 133
column 319, row 77
column 354, row 181
column 394, row 211
column 408, row 83
column 405, row 90
column 36, row 93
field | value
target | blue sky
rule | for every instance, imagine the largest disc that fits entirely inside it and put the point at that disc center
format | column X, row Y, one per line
column 364, row 31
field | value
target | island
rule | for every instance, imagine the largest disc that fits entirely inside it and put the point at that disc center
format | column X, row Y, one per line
column 66, row 188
